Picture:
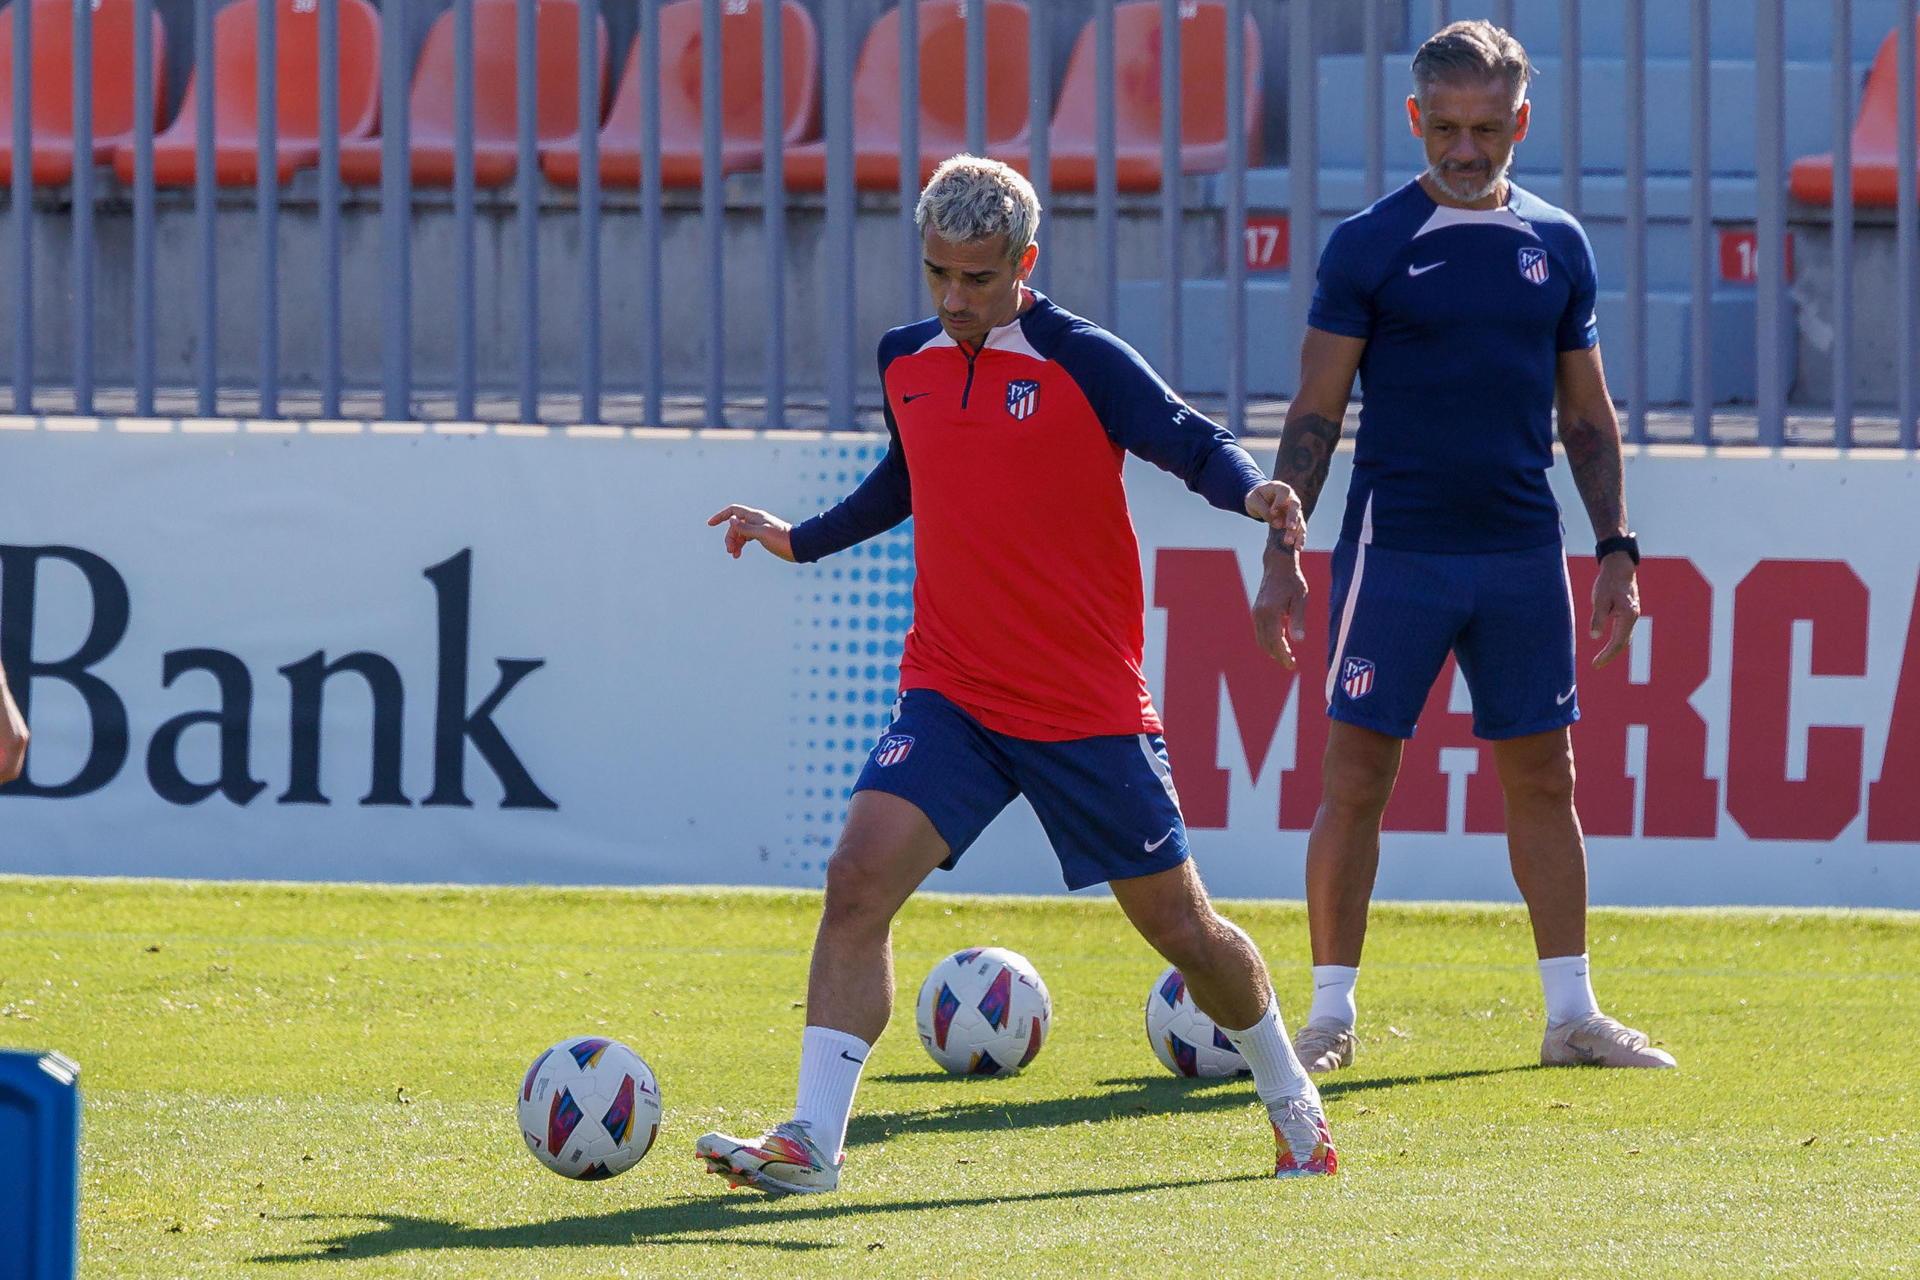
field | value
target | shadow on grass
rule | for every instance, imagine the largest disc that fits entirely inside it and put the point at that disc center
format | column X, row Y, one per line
column 1124, row 1097
column 703, row 1219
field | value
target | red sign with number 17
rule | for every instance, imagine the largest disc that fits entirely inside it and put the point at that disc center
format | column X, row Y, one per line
column 1265, row 239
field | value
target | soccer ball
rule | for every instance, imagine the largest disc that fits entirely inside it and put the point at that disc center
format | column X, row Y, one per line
column 983, row 1012
column 589, row 1108
column 1184, row 1039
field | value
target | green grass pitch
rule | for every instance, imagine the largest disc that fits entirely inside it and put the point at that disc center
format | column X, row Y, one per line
column 317, row 1081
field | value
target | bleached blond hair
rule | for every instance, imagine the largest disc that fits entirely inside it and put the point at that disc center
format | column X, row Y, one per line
column 972, row 198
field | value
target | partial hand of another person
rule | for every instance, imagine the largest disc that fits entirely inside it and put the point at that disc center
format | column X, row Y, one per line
column 1616, row 606
column 750, row 524
column 1276, row 504
column 1280, row 608
column 13, row 735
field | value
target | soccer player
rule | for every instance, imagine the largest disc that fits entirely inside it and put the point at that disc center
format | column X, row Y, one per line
column 13, row 734
column 1009, row 421
column 1466, row 306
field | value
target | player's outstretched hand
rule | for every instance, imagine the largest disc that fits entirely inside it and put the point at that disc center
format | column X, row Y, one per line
column 13, row 735
column 1616, row 606
column 750, row 524
column 1276, row 504
column 1280, row 609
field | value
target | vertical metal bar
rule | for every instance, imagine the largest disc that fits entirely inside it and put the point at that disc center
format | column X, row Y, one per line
column 589, row 63
column 1906, row 231
column 204, row 210
column 1373, row 40
column 1570, row 106
column 329, row 208
column 1503, row 14
column 266, row 200
column 464, row 303
column 1303, row 168
column 1769, row 172
column 1842, row 223
column 838, row 123
column 976, row 20
column 1106, row 200
column 1440, row 13
column 143, row 300
column 652, row 363
column 713, row 210
column 916, row 290
column 396, row 179
column 1636, row 19
column 1700, row 50
column 773, row 205
column 526, row 196
column 1237, row 215
column 1170, row 177
column 22, row 207
column 83, row 246
column 1039, row 123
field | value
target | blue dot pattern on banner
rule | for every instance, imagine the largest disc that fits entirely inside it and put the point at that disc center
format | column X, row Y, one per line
column 852, row 613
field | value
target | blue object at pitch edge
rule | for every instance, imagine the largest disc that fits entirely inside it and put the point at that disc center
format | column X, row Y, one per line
column 39, row 1166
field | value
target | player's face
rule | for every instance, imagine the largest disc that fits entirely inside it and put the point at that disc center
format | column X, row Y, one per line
column 1469, row 129
column 975, row 285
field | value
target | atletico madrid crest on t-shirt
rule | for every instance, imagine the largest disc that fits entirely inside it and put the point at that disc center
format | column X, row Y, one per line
column 1022, row 398
column 1533, row 265
column 1356, row 677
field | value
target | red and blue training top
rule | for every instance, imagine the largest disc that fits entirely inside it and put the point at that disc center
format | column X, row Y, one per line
column 1027, row 599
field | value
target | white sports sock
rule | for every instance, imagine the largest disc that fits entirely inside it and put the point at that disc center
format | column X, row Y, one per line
column 1568, row 989
column 1277, row 1073
column 1333, row 994
column 830, row 1063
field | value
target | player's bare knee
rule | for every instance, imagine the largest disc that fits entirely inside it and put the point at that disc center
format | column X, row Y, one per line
column 1189, row 939
column 1357, row 789
column 1542, row 782
column 856, row 892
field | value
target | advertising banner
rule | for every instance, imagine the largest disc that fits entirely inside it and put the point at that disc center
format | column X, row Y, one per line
column 399, row 652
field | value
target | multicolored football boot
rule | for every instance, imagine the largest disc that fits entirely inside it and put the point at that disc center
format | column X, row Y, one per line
column 1305, row 1146
column 783, row 1162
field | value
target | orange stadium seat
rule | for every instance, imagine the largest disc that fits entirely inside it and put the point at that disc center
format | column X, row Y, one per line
column 943, row 96
column 1876, row 141
column 297, row 69
column 496, row 149
column 113, row 105
column 1203, row 98
column 741, row 24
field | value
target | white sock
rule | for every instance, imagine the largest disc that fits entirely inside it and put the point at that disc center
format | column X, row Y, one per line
column 1333, row 994
column 1277, row 1073
column 1568, row 989
column 830, row 1063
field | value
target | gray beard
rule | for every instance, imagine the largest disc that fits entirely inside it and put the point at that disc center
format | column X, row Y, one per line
column 1495, row 177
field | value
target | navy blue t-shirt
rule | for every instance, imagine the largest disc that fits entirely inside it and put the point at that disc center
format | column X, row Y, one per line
column 1465, row 313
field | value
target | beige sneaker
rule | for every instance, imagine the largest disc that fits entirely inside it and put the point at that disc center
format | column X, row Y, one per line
column 1599, row 1041
column 1325, row 1045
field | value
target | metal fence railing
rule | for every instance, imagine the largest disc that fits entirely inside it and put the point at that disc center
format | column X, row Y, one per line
column 497, row 301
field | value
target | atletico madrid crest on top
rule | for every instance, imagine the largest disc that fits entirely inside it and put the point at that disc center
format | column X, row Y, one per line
column 1533, row 265
column 1022, row 397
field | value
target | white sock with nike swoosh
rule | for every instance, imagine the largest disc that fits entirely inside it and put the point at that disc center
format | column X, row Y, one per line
column 1333, row 994
column 1568, row 987
column 830, row 1063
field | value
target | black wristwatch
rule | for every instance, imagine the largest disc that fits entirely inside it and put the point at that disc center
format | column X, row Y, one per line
column 1619, row 542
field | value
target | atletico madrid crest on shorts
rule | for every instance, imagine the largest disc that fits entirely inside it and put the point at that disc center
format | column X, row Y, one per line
column 1533, row 265
column 892, row 749
column 1022, row 398
column 1356, row 677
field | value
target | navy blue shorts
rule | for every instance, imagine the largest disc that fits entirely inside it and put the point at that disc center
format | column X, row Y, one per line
column 1506, row 615
column 1107, row 804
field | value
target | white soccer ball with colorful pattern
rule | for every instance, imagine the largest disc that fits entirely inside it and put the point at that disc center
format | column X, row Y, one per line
column 589, row 1108
column 983, row 1012
column 1184, row 1039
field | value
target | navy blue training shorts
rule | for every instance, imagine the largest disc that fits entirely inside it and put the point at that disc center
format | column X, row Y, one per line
column 1506, row 615
column 1107, row 804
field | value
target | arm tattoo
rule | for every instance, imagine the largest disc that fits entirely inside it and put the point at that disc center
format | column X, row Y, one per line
column 1306, row 451
column 1593, row 454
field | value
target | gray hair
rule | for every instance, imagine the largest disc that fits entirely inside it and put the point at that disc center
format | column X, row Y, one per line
column 1472, row 51
column 970, row 198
